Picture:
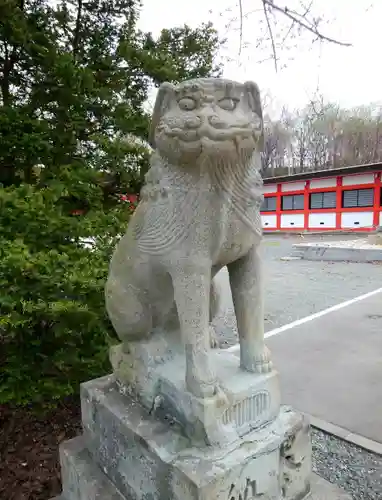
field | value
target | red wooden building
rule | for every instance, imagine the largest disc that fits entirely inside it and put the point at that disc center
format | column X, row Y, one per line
column 340, row 199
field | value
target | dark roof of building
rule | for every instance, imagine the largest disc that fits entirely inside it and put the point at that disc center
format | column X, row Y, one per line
column 324, row 173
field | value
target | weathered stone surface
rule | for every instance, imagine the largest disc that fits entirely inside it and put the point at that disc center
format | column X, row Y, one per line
column 81, row 478
column 128, row 454
column 199, row 211
column 91, row 480
column 149, row 459
column 246, row 403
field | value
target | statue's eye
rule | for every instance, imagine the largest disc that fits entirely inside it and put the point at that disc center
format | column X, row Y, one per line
column 187, row 104
column 228, row 103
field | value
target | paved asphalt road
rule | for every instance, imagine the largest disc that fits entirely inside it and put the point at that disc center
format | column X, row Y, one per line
column 295, row 289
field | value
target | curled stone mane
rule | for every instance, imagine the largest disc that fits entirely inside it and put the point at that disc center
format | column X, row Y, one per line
column 241, row 184
column 207, row 139
column 168, row 187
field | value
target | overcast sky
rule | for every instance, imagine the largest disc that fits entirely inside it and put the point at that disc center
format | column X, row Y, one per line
column 350, row 76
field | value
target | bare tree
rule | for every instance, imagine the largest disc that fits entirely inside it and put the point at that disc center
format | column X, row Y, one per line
column 320, row 136
column 303, row 19
column 276, row 147
column 324, row 136
column 361, row 138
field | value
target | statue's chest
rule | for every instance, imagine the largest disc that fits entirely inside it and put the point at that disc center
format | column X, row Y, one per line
column 236, row 238
column 201, row 219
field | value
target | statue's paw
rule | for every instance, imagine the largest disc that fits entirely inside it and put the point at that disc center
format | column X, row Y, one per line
column 214, row 341
column 201, row 385
column 200, row 389
column 221, row 397
column 260, row 363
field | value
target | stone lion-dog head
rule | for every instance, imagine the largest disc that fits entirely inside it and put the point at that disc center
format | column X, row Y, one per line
column 207, row 117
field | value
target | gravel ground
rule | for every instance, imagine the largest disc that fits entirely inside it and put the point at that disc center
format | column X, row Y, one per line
column 353, row 469
column 295, row 289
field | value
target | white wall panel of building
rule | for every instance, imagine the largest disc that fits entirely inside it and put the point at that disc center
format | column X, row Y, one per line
column 350, row 180
column 317, row 220
column 270, row 188
column 323, row 183
column 292, row 186
column 269, row 221
column 356, row 220
column 292, row 220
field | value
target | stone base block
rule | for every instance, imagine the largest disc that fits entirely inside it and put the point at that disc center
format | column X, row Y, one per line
column 244, row 402
column 81, row 478
column 90, row 483
column 148, row 459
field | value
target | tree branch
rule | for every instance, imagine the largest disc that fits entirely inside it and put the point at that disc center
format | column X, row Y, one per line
column 270, row 34
column 293, row 22
column 76, row 38
column 297, row 18
column 301, row 20
column 241, row 25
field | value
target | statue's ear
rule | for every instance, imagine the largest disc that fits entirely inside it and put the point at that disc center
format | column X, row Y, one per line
column 164, row 97
column 254, row 102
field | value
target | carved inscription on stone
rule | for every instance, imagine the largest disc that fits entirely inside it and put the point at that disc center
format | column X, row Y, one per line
column 247, row 411
column 249, row 492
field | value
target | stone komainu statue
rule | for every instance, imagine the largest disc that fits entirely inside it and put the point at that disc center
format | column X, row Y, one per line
column 199, row 211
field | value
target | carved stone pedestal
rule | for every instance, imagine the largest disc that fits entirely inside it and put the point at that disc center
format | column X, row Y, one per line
column 246, row 401
column 125, row 453
column 145, row 437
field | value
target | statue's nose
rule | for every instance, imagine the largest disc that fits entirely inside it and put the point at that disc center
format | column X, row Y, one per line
column 216, row 122
column 193, row 122
column 207, row 117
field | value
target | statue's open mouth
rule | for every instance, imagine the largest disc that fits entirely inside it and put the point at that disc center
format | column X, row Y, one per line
column 210, row 133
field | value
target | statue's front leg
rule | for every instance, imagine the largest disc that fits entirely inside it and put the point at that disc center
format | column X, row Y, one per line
column 246, row 281
column 192, row 296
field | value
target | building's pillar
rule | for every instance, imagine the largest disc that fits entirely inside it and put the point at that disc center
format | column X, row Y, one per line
column 338, row 202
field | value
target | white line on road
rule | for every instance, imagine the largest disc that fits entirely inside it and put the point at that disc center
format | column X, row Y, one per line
column 319, row 314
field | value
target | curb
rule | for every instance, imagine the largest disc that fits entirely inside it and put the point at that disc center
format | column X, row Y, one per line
column 318, row 233
column 346, row 435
